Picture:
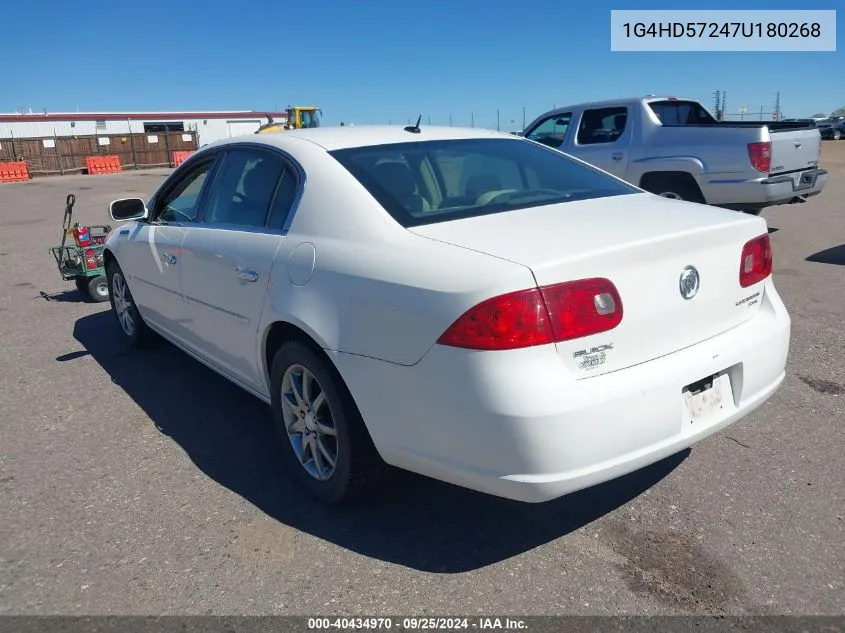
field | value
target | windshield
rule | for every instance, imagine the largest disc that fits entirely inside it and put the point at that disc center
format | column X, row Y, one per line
column 310, row 118
column 434, row 181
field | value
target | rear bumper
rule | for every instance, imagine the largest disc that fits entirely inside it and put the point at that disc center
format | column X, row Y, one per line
column 764, row 191
column 517, row 425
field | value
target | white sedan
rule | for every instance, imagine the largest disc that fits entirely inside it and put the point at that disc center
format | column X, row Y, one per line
column 465, row 304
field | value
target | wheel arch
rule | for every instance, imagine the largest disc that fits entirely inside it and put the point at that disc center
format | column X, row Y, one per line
column 652, row 180
column 108, row 257
column 279, row 331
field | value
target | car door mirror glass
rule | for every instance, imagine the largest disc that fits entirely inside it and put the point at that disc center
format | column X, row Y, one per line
column 127, row 209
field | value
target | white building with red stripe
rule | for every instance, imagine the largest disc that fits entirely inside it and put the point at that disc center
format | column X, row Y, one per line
column 209, row 126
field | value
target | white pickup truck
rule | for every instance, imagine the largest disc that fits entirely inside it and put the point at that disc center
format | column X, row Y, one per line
column 677, row 149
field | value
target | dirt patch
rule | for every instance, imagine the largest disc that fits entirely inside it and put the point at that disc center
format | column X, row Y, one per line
column 674, row 568
column 265, row 540
column 827, row 387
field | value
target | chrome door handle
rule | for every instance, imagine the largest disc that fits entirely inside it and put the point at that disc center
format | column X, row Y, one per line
column 246, row 274
column 617, row 156
column 170, row 259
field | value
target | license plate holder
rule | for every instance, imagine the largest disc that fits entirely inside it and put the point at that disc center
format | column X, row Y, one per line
column 704, row 398
column 807, row 180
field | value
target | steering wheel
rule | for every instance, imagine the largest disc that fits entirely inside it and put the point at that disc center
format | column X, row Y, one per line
column 510, row 195
column 179, row 212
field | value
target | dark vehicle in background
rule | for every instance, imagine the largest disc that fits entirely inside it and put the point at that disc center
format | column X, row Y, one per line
column 832, row 128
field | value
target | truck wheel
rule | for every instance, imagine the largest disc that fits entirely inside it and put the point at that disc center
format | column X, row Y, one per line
column 673, row 187
column 837, row 135
column 325, row 443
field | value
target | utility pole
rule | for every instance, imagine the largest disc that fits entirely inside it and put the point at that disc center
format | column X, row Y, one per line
column 777, row 106
column 724, row 104
column 472, row 119
column 717, row 105
column 498, row 127
column 450, row 119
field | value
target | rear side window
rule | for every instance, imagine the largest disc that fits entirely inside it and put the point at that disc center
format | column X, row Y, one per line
column 602, row 125
column 472, row 177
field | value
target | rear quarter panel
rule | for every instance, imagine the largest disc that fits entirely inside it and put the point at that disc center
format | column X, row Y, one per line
column 359, row 283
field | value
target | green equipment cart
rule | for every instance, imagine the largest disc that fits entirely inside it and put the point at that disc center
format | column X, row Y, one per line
column 82, row 260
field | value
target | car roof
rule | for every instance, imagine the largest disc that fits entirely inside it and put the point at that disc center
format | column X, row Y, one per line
column 340, row 137
column 609, row 103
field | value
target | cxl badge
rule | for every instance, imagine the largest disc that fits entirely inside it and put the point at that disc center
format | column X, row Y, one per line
column 689, row 282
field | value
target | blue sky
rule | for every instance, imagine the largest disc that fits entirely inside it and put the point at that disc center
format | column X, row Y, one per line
column 377, row 61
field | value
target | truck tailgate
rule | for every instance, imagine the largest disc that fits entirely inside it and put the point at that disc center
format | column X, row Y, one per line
column 794, row 150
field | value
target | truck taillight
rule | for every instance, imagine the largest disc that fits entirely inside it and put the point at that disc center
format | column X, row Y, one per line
column 755, row 264
column 760, row 155
column 539, row 316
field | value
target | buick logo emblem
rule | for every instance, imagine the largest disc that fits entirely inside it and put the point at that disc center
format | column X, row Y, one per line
column 689, row 282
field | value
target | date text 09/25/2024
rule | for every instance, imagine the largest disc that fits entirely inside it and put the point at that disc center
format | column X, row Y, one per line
column 411, row 623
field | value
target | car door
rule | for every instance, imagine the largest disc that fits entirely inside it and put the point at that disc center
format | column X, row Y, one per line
column 603, row 139
column 228, row 255
column 152, row 253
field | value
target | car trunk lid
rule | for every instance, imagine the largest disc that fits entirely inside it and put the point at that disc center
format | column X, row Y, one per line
column 643, row 244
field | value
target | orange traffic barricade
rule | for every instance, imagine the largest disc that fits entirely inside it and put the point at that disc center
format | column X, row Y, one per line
column 14, row 172
column 102, row 164
column 180, row 156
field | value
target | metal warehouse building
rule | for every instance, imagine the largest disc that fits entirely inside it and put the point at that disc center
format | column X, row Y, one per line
column 207, row 126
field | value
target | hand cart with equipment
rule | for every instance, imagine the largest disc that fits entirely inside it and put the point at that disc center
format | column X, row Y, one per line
column 82, row 261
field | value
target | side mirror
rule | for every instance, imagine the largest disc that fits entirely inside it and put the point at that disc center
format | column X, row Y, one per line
column 128, row 209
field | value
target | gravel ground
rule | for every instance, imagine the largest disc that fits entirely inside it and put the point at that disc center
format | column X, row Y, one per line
column 143, row 483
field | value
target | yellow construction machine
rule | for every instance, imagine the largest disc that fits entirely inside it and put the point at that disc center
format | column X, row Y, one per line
column 297, row 117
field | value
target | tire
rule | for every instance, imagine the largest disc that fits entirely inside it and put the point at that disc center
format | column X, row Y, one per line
column 134, row 329
column 357, row 465
column 97, row 288
column 81, row 284
column 675, row 188
column 837, row 134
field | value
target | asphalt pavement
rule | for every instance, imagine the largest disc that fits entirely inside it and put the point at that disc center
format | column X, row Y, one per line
column 143, row 483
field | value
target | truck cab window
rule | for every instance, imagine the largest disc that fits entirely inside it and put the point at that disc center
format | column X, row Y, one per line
column 675, row 113
column 551, row 131
column 602, row 125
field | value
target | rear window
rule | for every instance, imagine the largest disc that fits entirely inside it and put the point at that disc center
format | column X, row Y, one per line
column 425, row 182
column 673, row 113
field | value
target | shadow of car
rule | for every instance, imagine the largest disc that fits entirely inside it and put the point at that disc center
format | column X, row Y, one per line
column 834, row 255
column 415, row 521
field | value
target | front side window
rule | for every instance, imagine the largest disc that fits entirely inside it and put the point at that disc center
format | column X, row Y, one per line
column 472, row 177
column 551, row 131
column 602, row 125
column 243, row 188
column 181, row 203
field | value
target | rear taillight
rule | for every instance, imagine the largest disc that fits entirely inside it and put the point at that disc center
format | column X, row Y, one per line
column 756, row 261
column 539, row 316
column 760, row 155
column 584, row 307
